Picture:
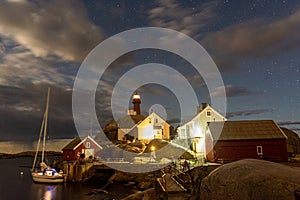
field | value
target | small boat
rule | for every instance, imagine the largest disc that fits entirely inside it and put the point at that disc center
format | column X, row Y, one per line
column 45, row 174
column 48, row 175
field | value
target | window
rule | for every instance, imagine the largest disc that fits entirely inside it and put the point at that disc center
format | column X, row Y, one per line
column 259, row 150
column 188, row 131
column 87, row 145
column 208, row 113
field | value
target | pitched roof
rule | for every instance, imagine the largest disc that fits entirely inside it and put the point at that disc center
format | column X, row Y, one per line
column 72, row 144
column 77, row 141
column 91, row 139
column 289, row 133
column 133, row 131
column 128, row 121
column 208, row 107
column 246, row 130
column 293, row 141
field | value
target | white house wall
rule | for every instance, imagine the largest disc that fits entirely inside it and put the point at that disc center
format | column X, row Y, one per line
column 147, row 130
column 198, row 125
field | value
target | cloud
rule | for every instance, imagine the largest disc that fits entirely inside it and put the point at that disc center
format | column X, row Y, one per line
column 188, row 20
column 247, row 112
column 174, row 121
column 284, row 123
column 231, row 91
column 253, row 39
column 20, row 65
column 2, row 50
column 59, row 28
column 22, row 109
column 292, row 125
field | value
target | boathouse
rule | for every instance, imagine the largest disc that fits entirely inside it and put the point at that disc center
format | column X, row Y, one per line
column 81, row 148
column 259, row 139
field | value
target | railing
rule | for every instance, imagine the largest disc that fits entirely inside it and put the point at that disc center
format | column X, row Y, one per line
column 179, row 175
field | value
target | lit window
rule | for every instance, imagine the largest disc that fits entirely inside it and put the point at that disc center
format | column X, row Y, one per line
column 88, row 145
column 259, row 150
column 208, row 113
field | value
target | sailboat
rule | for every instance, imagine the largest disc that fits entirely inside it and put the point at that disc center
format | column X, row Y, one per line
column 45, row 174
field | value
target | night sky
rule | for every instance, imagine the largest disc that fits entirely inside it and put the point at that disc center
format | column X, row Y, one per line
column 255, row 44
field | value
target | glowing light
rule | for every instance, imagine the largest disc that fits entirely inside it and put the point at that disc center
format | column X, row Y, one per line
column 198, row 131
column 152, row 148
column 49, row 193
column 136, row 96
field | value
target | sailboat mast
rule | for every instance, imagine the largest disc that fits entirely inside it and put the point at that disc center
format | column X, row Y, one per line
column 38, row 144
column 45, row 125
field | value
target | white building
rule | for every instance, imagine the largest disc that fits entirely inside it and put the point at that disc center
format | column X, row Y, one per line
column 194, row 130
column 153, row 127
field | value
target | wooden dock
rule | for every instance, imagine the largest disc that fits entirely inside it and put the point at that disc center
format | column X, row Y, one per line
column 85, row 171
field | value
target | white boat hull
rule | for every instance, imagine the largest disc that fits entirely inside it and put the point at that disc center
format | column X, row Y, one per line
column 36, row 177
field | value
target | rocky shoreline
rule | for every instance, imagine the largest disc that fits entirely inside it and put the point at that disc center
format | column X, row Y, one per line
column 244, row 179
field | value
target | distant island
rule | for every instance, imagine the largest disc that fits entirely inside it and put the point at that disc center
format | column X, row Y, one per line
column 27, row 154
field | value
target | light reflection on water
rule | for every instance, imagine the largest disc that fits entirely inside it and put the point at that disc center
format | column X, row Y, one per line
column 43, row 192
column 50, row 193
column 16, row 183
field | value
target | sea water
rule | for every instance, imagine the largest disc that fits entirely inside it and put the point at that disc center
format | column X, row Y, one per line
column 16, row 184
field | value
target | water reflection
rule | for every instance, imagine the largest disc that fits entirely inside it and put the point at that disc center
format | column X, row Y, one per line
column 13, row 185
column 50, row 193
column 44, row 192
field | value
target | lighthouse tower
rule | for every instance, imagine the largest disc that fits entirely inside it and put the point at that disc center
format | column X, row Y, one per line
column 136, row 100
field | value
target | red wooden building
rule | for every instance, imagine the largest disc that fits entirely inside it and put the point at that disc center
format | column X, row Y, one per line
column 81, row 148
column 260, row 139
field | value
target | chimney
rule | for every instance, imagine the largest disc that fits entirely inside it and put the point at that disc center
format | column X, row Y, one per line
column 203, row 105
column 198, row 109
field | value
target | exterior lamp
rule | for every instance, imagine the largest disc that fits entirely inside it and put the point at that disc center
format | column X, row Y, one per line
column 152, row 148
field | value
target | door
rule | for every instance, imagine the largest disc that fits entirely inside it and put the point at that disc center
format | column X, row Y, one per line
column 89, row 152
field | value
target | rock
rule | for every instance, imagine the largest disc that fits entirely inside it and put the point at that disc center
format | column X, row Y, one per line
column 250, row 179
column 138, row 144
column 130, row 183
column 145, row 185
column 130, row 148
column 145, row 195
column 165, row 149
column 198, row 174
column 131, row 177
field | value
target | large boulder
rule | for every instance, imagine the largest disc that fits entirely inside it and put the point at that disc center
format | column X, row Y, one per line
column 165, row 149
column 251, row 179
column 148, row 194
column 125, row 177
